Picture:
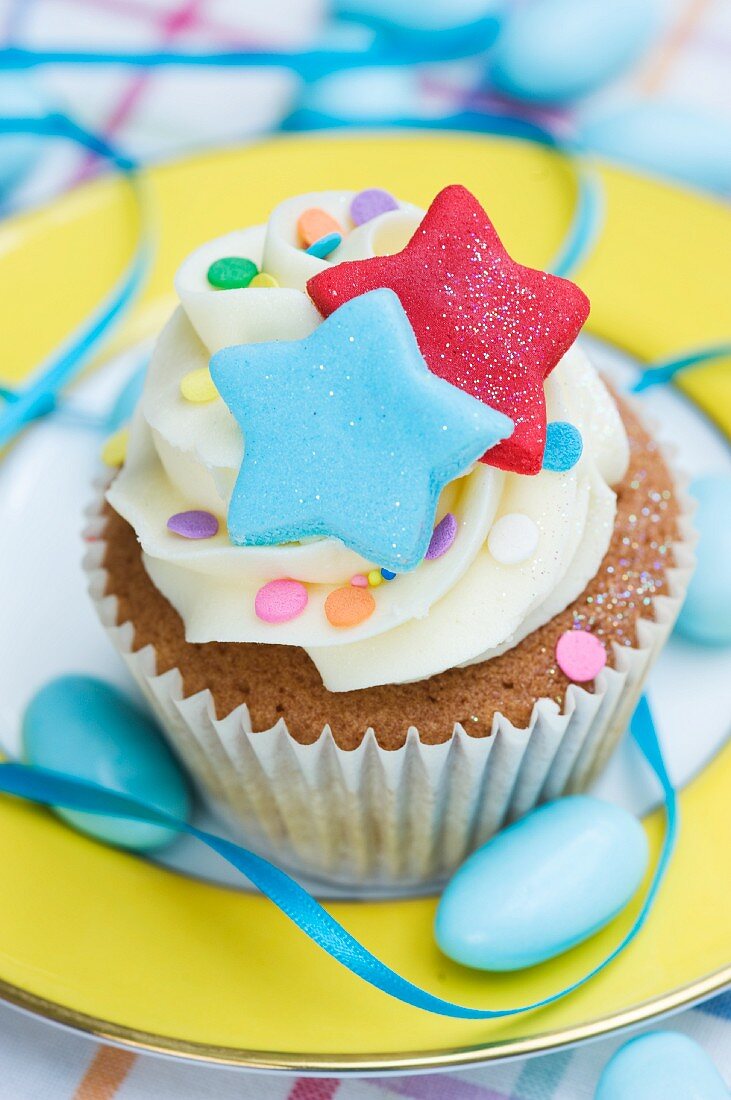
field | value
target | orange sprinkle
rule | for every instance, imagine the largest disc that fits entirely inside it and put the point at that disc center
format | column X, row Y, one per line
column 314, row 224
column 349, row 606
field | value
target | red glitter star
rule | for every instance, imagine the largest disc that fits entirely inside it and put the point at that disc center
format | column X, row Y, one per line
column 483, row 322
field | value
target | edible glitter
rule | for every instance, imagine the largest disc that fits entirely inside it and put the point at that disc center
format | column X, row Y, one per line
column 624, row 589
column 484, row 323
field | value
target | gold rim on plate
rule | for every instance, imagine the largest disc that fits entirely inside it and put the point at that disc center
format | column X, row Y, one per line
column 361, row 1065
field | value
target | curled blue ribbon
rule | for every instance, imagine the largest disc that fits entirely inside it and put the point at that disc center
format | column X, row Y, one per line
column 666, row 369
column 39, row 396
column 54, row 789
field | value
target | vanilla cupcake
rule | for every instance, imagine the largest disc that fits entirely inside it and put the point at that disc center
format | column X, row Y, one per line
column 387, row 557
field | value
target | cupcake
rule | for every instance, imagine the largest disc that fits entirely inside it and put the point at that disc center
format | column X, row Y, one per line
column 388, row 558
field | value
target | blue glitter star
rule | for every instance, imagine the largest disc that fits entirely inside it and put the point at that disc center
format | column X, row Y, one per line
column 347, row 433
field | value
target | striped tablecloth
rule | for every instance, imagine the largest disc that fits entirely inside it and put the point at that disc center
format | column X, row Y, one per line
column 40, row 1062
column 161, row 114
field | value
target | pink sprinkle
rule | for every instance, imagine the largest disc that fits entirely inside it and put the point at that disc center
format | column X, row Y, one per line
column 359, row 581
column 193, row 525
column 580, row 655
column 369, row 204
column 280, row 601
column 442, row 538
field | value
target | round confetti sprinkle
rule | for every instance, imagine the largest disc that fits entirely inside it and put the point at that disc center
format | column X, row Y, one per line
column 375, row 578
column 197, row 386
column 349, row 606
column 512, row 538
column 264, row 279
column 114, row 450
column 359, row 580
column 369, row 204
column 442, row 538
column 581, row 656
column 280, row 601
column 231, row 272
column 563, row 446
column 193, row 525
column 313, row 224
column 325, row 245
column 387, row 574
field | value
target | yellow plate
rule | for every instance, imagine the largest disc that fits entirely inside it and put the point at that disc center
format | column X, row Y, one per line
column 113, row 945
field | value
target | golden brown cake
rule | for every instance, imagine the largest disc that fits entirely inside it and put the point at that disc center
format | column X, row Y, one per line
column 368, row 681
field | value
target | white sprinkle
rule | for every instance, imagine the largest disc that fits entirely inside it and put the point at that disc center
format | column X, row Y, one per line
column 512, row 538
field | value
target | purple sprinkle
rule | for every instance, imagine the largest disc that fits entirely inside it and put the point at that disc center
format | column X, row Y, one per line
column 193, row 525
column 442, row 538
column 369, row 204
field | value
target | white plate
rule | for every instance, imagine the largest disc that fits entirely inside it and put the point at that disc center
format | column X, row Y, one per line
column 49, row 627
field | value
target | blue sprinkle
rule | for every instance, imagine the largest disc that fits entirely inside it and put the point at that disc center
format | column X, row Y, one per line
column 387, row 574
column 563, row 446
column 325, row 245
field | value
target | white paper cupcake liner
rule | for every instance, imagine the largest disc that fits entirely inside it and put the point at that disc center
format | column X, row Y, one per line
column 376, row 820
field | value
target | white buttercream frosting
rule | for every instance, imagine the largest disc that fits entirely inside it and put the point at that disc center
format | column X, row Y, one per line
column 464, row 607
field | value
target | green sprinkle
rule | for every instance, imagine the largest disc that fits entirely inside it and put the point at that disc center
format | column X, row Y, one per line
column 232, row 272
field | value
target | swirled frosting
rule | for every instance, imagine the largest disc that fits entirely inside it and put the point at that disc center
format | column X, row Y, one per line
column 466, row 606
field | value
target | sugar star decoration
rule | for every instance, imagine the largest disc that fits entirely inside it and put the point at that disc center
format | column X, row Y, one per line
column 347, row 433
column 484, row 323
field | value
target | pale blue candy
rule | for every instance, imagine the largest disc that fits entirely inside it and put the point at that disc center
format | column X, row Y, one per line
column 554, row 51
column 542, row 885
column 83, row 727
column 663, row 1065
column 706, row 614
column 19, row 96
column 365, row 95
column 665, row 139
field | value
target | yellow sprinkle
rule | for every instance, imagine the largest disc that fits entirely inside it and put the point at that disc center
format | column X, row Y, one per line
column 262, row 279
column 114, row 450
column 375, row 578
column 197, row 385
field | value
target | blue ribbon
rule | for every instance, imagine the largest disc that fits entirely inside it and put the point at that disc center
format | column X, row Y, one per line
column 39, row 397
column 666, row 369
column 307, row 64
column 54, row 789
